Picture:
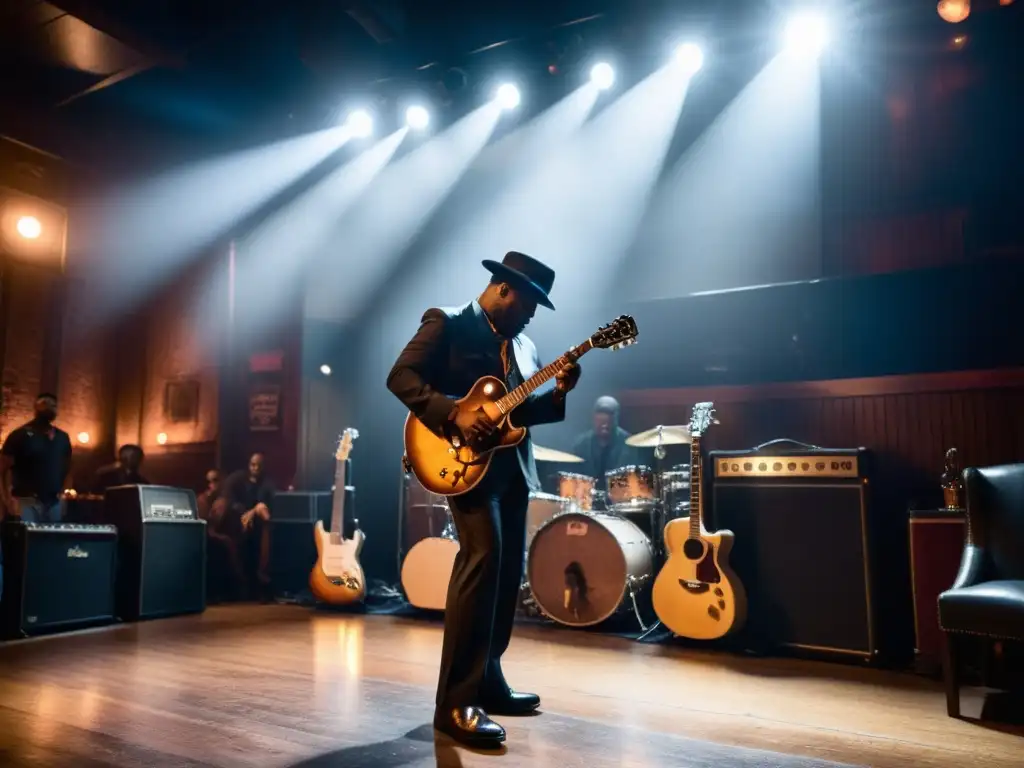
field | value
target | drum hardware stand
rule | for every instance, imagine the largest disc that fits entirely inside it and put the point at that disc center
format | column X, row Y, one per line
column 631, row 585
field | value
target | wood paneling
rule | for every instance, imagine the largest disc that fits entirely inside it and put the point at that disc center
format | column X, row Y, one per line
column 908, row 421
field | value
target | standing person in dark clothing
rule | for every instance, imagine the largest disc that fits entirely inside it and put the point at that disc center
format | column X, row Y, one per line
column 604, row 448
column 36, row 462
column 250, row 498
column 450, row 351
column 125, row 471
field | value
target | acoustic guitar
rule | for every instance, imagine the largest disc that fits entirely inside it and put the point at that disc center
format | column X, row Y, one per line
column 448, row 465
column 696, row 594
column 337, row 577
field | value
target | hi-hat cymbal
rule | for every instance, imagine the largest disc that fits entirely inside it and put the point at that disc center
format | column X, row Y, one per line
column 540, row 453
column 678, row 435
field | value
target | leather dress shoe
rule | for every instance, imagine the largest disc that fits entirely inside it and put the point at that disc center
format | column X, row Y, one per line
column 470, row 726
column 513, row 703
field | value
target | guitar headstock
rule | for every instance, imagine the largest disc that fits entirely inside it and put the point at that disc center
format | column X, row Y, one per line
column 619, row 333
column 345, row 444
column 703, row 417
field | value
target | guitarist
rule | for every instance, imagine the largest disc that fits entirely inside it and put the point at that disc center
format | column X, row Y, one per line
column 450, row 351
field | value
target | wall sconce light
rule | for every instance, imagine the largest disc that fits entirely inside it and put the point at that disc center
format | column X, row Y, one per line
column 83, row 438
column 325, row 369
column 162, row 438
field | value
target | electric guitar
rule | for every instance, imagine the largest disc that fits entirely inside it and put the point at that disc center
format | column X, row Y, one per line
column 448, row 465
column 337, row 577
column 696, row 594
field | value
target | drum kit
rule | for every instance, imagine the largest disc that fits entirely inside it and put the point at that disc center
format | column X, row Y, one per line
column 590, row 553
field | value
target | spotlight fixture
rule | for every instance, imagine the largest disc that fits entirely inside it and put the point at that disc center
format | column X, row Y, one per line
column 29, row 227
column 508, row 96
column 807, row 34
column 954, row 11
column 360, row 124
column 602, row 76
column 417, row 117
column 690, row 58
column 325, row 369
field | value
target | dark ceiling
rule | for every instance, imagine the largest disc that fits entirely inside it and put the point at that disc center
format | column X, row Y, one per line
column 82, row 77
column 200, row 68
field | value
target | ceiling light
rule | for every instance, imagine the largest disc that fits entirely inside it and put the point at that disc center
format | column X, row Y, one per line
column 508, row 96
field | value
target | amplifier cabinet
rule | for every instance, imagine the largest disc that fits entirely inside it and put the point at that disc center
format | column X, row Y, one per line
column 58, row 576
column 292, row 548
column 161, row 551
column 802, row 548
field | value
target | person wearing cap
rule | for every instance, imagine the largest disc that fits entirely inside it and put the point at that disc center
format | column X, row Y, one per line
column 452, row 349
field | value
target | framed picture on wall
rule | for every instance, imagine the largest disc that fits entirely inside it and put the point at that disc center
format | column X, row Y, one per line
column 264, row 407
column 181, row 401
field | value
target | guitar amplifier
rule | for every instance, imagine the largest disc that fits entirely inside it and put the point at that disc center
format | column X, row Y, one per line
column 59, row 576
column 803, row 545
column 161, row 550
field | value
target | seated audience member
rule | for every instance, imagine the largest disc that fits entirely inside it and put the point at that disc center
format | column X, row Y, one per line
column 124, row 471
column 226, row 574
column 250, row 498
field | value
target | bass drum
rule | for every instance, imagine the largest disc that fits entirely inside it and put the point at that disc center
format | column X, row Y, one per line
column 426, row 572
column 581, row 566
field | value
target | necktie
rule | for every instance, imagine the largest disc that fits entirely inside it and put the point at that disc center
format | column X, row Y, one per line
column 506, row 358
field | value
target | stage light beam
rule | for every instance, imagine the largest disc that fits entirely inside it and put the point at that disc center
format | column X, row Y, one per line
column 417, row 117
column 508, row 96
column 690, row 58
column 602, row 76
column 360, row 124
column 29, row 227
column 806, row 34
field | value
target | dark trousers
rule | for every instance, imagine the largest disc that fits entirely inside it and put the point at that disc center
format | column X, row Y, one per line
column 484, row 587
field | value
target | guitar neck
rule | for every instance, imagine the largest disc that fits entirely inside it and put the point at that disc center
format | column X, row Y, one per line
column 695, row 479
column 516, row 397
column 338, row 507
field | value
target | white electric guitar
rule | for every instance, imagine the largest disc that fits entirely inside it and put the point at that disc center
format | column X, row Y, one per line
column 338, row 578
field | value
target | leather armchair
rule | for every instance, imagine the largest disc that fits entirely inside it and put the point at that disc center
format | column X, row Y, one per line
column 987, row 598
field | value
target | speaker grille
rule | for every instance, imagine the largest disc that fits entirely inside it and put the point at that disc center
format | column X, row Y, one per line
column 801, row 553
column 172, row 571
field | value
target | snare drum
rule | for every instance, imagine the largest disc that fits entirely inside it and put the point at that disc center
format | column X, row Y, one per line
column 577, row 488
column 630, row 485
column 675, row 485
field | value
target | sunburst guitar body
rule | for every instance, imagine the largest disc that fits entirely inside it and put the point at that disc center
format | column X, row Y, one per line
column 447, row 465
column 696, row 594
column 337, row 577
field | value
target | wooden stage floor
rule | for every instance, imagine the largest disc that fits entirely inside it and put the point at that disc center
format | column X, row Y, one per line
column 286, row 686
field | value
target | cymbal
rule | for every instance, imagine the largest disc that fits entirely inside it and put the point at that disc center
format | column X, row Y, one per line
column 677, row 435
column 540, row 453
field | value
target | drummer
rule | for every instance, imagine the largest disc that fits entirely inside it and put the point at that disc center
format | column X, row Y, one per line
column 604, row 448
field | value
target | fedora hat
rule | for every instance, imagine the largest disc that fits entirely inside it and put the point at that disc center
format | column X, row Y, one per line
column 523, row 271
